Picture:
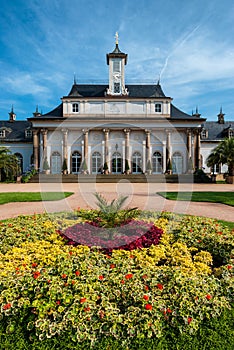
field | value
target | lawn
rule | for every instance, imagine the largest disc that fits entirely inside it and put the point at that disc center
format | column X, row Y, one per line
column 9, row 197
column 213, row 197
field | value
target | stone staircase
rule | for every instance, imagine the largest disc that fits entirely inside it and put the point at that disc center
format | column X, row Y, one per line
column 111, row 178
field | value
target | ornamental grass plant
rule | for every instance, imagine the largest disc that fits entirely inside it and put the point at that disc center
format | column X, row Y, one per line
column 53, row 290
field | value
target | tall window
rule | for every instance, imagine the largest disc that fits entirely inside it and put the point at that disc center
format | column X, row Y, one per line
column 116, row 88
column 136, row 163
column 157, row 163
column 96, row 163
column 76, row 162
column 56, row 165
column 75, row 107
column 177, row 163
column 116, row 163
column 116, row 66
column 204, row 134
column 158, row 107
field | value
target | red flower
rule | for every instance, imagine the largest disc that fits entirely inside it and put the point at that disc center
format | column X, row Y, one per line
column 66, row 284
column 58, row 302
column 83, row 300
column 169, row 311
column 87, row 309
column 101, row 278
column 36, row 274
column 64, row 275
column 189, row 320
column 7, row 306
column 208, row 296
column 128, row 276
column 70, row 253
column 146, row 297
column 34, row 264
column 112, row 266
column 160, row 286
column 146, row 287
column 77, row 273
column 229, row 267
column 148, row 307
column 73, row 282
column 122, row 281
column 48, row 281
column 144, row 276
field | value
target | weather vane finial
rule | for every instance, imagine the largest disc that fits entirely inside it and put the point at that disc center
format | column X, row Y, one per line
column 116, row 38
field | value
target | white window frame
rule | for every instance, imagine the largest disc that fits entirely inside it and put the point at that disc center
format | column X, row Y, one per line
column 2, row 133
column 28, row 133
column 158, row 107
column 75, row 107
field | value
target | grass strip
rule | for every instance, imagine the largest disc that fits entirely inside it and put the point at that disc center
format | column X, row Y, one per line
column 9, row 197
column 212, row 197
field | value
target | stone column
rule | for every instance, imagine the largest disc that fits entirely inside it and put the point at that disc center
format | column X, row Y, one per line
column 35, row 149
column 148, row 149
column 65, row 155
column 44, row 142
column 86, row 144
column 197, row 149
column 106, row 146
column 189, row 151
column 169, row 160
column 127, row 154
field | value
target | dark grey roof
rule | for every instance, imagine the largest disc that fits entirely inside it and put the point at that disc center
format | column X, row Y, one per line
column 137, row 91
column 217, row 131
column 15, row 131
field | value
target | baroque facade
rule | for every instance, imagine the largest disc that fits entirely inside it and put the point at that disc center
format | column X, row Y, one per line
column 123, row 127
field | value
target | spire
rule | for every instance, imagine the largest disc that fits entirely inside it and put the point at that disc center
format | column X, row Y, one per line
column 74, row 78
column 12, row 115
column 116, row 38
column 36, row 113
column 196, row 114
column 221, row 116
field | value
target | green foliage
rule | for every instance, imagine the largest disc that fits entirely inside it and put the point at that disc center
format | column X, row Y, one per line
column 11, row 197
column 9, row 164
column 45, row 164
column 29, row 174
column 64, row 167
column 223, row 154
column 105, row 167
column 213, row 197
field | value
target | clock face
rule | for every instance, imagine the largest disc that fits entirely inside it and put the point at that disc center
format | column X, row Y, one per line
column 116, row 76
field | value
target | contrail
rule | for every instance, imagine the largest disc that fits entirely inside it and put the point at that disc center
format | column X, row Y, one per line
column 183, row 40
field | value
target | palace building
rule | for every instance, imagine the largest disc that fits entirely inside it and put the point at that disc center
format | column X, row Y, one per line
column 118, row 127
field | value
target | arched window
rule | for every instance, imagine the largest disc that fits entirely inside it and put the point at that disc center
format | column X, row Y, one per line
column 157, row 163
column 177, row 163
column 20, row 162
column 96, row 162
column 76, row 162
column 56, row 166
column 136, row 163
column 116, row 163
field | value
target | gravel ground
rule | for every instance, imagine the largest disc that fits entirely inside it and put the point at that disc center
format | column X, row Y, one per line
column 141, row 195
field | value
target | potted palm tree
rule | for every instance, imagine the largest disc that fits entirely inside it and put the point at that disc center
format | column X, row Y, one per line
column 46, row 167
column 127, row 168
column 149, row 167
column 169, row 167
column 105, row 168
column 64, row 167
column 84, row 168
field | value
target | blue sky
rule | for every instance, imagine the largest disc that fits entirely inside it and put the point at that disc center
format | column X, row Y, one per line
column 189, row 44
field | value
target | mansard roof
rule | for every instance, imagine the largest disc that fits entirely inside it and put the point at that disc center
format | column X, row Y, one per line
column 135, row 91
column 217, row 131
column 15, row 131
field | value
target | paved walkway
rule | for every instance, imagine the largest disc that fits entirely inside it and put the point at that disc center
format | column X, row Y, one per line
column 141, row 195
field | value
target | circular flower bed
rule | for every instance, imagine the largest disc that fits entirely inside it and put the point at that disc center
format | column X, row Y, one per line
column 134, row 234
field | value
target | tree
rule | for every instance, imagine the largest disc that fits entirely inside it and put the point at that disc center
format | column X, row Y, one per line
column 9, row 164
column 223, row 154
column 64, row 167
column 46, row 166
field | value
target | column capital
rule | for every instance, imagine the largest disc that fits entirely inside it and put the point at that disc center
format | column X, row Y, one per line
column 85, row 131
column 64, row 131
column 127, row 131
column 106, row 131
column 44, row 131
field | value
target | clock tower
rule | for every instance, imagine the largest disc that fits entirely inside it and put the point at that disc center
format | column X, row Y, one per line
column 116, row 61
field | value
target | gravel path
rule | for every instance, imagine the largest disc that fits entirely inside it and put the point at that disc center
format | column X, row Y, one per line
column 144, row 196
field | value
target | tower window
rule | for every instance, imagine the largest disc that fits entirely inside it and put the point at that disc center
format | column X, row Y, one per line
column 75, row 107
column 158, row 107
column 117, row 88
column 116, row 66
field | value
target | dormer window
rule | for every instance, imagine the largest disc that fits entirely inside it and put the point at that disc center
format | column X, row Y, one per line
column 2, row 134
column 75, row 107
column 204, row 134
column 28, row 133
column 158, row 108
column 230, row 133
